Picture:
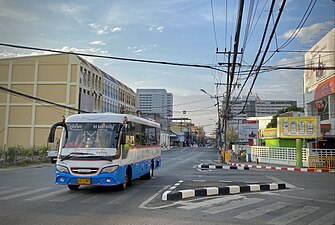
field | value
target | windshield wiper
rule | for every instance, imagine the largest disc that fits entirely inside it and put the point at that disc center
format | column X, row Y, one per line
column 75, row 153
column 108, row 158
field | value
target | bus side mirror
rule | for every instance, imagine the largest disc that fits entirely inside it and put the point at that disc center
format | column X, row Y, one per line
column 123, row 136
column 53, row 128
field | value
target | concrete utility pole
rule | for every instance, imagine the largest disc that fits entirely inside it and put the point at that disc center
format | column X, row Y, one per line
column 230, row 75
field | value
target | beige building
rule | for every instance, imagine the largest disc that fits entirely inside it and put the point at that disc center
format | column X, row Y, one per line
column 64, row 79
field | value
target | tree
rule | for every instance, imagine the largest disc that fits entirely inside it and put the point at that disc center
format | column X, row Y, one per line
column 273, row 123
column 232, row 135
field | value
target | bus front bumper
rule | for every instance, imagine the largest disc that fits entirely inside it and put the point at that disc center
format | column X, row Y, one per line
column 104, row 179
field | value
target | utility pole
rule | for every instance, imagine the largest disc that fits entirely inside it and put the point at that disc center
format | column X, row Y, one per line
column 230, row 76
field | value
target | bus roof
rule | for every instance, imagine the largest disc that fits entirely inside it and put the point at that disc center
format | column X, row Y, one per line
column 109, row 118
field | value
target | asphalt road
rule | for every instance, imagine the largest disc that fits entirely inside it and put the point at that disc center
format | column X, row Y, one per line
column 29, row 196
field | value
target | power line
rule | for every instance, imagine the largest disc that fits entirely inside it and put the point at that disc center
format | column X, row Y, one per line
column 112, row 57
column 40, row 99
column 266, row 49
column 213, row 20
column 260, row 46
column 297, row 30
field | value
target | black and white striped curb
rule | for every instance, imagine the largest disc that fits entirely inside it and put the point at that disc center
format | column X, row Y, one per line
column 228, row 167
column 226, row 190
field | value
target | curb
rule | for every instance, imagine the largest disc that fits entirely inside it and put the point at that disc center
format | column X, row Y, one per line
column 285, row 168
column 229, row 167
column 226, row 190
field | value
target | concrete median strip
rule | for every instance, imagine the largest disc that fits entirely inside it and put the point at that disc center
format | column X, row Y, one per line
column 226, row 190
column 226, row 167
column 284, row 168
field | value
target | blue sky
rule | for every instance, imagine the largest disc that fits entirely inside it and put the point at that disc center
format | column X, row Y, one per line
column 179, row 31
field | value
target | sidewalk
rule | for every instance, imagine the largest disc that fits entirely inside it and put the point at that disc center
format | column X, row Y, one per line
column 268, row 166
column 216, row 164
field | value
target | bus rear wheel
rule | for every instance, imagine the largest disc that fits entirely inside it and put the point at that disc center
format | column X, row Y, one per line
column 73, row 187
column 150, row 174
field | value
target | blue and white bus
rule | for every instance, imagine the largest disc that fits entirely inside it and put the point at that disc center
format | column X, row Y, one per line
column 106, row 149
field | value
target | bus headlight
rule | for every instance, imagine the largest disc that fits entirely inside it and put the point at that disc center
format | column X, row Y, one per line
column 109, row 169
column 62, row 169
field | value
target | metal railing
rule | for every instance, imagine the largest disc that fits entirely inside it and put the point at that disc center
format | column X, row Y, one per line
column 287, row 156
column 321, row 162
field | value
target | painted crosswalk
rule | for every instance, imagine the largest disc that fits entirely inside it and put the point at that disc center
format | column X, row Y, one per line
column 238, row 207
column 47, row 195
column 245, row 209
column 25, row 193
column 62, row 194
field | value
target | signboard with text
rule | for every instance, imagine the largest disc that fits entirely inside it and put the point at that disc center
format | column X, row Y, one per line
column 298, row 127
column 247, row 130
column 320, row 82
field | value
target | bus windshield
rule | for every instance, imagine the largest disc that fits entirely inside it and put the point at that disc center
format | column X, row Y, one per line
column 99, row 139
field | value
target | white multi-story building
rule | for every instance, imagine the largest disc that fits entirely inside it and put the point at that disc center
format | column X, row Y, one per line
column 154, row 101
column 256, row 107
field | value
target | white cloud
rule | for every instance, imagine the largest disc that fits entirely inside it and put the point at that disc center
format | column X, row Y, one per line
column 99, row 29
column 141, row 49
column 158, row 29
column 97, row 43
column 68, row 9
column 96, row 51
column 306, row 34
column 116, row 29
column 137, row 51
column 294, row 61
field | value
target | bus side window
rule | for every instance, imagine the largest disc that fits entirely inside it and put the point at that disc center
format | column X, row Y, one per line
column 130, row 135
column 130, row 140
column 140, row 138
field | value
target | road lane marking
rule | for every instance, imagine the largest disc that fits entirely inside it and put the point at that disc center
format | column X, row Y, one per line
column 69, row 195
column 294, row 197
column 293, row 215
column 261, row 210
column 233, row 205
column 123, row 197
column 326, row 219
column 277, row 180
column 46, row 195
column 164, row 196
column 13, row 190
column 26, row 193
column 143, row 205
column 4, row 187
column 208, row 203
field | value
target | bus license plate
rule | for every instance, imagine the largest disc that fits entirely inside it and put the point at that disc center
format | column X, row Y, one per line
column 83, row 181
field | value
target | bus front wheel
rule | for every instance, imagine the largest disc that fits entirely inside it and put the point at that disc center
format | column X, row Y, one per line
column 127, row 181
column 73, row 187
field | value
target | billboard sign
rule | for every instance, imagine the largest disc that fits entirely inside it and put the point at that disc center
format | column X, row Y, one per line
column 269, row 133
column 247, row 130
column 320, row 82
column 298, row 127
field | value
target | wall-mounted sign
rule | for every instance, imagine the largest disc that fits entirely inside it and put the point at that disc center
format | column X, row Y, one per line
column 298, row 127
column 269, row 133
